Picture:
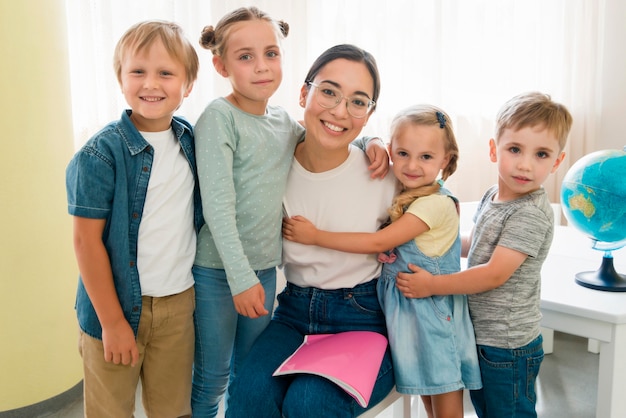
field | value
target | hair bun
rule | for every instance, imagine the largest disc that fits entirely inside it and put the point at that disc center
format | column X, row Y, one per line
column 284, row 27
column 207, row 37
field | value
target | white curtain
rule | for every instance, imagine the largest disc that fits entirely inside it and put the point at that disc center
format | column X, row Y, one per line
column 466, row 56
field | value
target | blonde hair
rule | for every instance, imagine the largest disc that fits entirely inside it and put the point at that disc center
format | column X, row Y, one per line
column 142, row 36
column 424, row 115
column 532, row 109
column 215, row 38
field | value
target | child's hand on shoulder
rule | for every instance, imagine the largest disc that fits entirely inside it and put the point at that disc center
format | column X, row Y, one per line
column 376, row 151
column 415, row 284
column 299, row 229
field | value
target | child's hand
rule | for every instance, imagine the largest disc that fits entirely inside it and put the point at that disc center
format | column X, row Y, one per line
column 251, row 302
column 416, row 284
column 299, row 229
column 379, row 159
column 119, row 344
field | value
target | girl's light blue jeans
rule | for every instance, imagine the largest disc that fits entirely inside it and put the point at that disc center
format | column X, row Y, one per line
column 223, row 337
column 509, row 379
column 255, row 393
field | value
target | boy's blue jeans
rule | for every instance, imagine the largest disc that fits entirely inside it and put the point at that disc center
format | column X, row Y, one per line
column 255, row 393
column 223, row 337
column 509, row 377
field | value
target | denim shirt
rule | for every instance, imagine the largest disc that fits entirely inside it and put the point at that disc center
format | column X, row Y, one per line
column 108, row 179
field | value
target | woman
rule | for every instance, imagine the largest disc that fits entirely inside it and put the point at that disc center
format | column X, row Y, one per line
column 327, row 291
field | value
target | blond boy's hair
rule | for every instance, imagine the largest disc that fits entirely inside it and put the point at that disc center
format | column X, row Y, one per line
column 534, row 109
column 141, row 36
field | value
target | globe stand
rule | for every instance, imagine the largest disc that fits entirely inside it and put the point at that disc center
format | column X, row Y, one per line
column 605, row 278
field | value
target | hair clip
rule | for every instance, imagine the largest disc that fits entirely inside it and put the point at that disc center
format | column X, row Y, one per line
column 442, row 120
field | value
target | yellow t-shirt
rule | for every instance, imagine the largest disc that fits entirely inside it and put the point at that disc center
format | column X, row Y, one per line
column 440, row 214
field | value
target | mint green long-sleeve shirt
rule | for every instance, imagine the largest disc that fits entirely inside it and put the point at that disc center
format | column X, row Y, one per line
column 243, row 161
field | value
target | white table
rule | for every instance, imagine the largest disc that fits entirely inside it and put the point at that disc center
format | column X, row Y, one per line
column 577, row 310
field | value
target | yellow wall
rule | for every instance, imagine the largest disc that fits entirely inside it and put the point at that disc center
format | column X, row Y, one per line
column 38, row 331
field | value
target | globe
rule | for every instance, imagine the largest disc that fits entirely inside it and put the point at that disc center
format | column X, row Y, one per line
column 593, row 198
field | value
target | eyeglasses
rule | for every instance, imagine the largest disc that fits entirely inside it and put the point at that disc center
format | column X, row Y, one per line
column 330, row 96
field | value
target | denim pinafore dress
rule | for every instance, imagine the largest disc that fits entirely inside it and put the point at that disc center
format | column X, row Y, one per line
column 431, row 339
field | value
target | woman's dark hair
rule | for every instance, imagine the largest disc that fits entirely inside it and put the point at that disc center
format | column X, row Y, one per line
column 351, row 53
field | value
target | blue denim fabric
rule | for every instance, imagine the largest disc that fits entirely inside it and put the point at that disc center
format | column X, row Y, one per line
column 255, row 393
column 509, row 377
column 432, row 339
column 108, row 179
column 223, row 337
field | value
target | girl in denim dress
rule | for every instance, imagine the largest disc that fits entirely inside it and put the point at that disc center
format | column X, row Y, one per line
column 432, row 339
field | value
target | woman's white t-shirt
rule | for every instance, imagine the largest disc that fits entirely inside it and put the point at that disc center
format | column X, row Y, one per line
column 344, row 199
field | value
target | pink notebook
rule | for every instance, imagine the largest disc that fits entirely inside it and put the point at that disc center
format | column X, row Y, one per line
column 349, row 359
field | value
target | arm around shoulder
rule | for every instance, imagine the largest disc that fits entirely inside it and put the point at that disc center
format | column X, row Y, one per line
column 407, row 227
column 481, row 278
column 376, row 152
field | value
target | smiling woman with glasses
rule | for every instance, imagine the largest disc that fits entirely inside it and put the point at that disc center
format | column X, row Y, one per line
column 327, row 291
column 329, row 96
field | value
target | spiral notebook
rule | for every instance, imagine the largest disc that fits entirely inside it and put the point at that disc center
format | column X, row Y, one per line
column 349, row 359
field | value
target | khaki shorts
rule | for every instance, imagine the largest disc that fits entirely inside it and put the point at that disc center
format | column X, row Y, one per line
column 165, row 340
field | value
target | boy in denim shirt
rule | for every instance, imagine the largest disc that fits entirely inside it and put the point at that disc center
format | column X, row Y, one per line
column 135, row 204
column 513, row 230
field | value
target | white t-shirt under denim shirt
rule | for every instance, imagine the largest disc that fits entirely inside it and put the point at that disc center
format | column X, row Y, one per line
column 167, row 239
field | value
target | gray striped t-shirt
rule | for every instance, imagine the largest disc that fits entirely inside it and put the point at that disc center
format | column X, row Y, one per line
column 509, row 316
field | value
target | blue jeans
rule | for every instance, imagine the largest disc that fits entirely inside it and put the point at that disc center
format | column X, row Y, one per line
column 509, row 377
column 255, row 393
column 223, row 337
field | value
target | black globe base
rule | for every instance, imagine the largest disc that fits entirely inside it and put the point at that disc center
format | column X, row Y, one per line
column 605, row 278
